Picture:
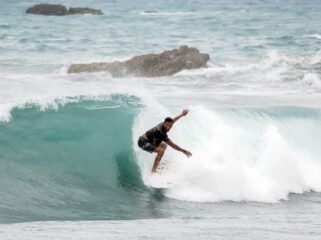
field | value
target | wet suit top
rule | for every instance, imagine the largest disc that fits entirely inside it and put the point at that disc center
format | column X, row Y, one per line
column 157, row 134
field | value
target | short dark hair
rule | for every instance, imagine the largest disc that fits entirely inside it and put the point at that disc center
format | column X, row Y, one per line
column 169, row 119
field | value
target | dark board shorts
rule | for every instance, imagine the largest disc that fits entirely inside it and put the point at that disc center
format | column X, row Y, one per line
column 145, row 145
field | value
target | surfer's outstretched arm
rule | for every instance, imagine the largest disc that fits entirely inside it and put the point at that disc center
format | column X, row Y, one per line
column 184, row 113
column 178, row 148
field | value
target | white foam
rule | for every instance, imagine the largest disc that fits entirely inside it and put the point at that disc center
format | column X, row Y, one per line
column 317, row 36
column 233, row 159
column 312, row 79
column 52, row 90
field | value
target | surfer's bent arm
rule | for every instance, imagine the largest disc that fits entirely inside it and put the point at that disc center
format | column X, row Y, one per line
column 184, row 113
column 178, row 148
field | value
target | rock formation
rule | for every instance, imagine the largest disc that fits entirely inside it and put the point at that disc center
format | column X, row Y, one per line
column 60, row 10
column 150, row 65
column 48, row 9
column 84, row 11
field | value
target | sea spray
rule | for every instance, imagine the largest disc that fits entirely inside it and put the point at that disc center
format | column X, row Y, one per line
column 239, row 155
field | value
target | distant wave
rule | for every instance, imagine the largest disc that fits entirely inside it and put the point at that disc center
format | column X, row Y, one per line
column 313, row 80
column 318, row 36
column 157, row 13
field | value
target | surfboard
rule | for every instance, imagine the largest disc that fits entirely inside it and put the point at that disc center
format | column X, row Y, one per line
column 161, row 185
column 158, row 193
column 159, row 180
column 160, row 188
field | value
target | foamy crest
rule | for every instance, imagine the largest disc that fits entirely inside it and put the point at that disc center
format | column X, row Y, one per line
column 157, row 13
column 312, row 79
column 317, row 36
column 234, row 158
column 52, row 90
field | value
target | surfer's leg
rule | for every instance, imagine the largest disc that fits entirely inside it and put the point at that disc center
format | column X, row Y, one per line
column 160, row 150
column 163, row 145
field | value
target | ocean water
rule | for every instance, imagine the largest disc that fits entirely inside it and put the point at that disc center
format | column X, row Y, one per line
column 70, row 167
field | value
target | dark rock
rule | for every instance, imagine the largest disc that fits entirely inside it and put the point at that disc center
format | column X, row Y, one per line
column 84, row 11
column 150, row 65
column 48, row 9
column 60, row 10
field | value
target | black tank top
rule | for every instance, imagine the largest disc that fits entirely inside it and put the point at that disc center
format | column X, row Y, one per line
column 157, row 134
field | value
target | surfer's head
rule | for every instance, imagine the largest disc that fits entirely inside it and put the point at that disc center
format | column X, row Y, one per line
column 168, row 123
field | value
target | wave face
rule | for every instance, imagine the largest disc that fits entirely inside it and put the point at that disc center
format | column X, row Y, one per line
column 72, row 163
column 81, row 161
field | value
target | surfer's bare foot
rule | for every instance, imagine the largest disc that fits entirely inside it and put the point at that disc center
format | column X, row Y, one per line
column 160, row 152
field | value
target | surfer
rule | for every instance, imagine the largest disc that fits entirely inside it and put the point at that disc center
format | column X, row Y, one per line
column 152, row 140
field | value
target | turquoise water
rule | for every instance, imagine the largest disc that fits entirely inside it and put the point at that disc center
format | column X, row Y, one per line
column 68, row 143
column 56, row 165
column 79, row 163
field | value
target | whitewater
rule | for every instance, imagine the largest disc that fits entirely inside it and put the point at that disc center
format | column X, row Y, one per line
column 70, row 167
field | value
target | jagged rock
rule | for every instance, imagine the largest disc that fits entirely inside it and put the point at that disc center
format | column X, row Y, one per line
column 84, row 11
column 48, row 9
column 60, row 10
column 150, row 65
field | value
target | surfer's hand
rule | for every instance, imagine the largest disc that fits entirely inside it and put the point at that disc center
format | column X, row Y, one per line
column 184, row 112
column 187, row 153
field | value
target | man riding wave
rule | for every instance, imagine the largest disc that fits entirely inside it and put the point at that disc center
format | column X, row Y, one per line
column 152, row 140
